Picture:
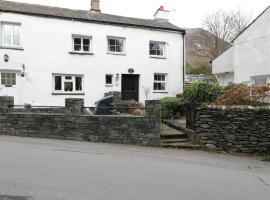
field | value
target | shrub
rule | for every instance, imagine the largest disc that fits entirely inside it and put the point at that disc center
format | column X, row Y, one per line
column 172, row 107
column 266, row 158
column 202, row 93
column 130, row 104
column 243, row 94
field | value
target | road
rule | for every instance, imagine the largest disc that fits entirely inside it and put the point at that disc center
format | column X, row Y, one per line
column 43, row 169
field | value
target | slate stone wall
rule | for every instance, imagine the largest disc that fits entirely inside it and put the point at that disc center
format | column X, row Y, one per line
column 238, row 129
column 71, row 124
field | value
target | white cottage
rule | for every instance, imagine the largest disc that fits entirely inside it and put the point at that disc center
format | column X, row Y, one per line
column 48, row 54
column 248, row 60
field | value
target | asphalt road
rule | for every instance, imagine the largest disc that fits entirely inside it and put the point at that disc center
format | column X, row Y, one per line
column 42, row 169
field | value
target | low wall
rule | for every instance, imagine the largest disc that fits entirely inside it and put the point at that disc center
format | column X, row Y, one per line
column 71, row 124
column 239, row 129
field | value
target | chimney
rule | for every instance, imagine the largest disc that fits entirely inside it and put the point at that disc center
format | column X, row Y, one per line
column 162, row 14
column 95, row 6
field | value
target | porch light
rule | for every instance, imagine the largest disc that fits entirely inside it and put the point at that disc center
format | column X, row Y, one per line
column 6, row 58
column 117, row 76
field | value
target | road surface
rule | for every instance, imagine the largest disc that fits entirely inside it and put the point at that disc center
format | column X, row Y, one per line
column 42, row 169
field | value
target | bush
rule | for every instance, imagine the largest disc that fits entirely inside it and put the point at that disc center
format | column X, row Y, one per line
column 266, row 158
column 202, row 93
column 130, row 104
column 172, row 107
column 243, row 94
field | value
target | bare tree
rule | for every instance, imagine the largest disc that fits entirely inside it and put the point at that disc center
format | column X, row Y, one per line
column 223, row 27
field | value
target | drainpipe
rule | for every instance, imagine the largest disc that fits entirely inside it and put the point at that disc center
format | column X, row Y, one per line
column 184, row 59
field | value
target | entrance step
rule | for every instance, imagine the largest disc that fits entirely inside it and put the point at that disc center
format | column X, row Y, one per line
column 181, row 145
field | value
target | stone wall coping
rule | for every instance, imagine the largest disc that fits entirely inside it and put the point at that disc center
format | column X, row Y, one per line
column 241, row 107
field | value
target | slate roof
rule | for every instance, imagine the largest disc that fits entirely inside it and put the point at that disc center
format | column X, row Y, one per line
column 84, row 15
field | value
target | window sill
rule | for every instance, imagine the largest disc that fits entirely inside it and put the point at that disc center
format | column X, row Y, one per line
column 158, row 57
column 64, row 93
column 81, row 53
column 117, row 54
column 12, row 48
column 161, row 92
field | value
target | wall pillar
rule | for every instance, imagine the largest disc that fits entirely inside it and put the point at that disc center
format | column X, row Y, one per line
column 74, row 106
column 152, row 114
column 6, row 103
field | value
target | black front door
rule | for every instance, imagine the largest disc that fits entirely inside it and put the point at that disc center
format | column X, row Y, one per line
column 130, row 87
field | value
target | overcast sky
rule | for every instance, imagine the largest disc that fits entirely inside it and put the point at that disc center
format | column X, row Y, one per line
column 184, row 13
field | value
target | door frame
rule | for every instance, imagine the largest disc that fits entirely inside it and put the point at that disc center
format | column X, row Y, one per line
column 139, row 80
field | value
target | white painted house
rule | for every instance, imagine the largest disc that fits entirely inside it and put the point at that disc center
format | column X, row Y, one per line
column 48, row 54
column 248, row 60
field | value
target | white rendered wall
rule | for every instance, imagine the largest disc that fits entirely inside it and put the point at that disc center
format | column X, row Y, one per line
column 47, row 43
column 252, row 50
column 224, row 63
column 225, row 79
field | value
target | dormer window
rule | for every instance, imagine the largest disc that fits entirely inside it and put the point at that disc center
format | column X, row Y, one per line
column 11, row 35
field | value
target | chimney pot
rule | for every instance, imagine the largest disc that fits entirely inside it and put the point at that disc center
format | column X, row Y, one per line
column 162, row 14
column 161, row 8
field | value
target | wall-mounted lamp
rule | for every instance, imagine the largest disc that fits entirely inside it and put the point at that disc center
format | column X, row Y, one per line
column 23, row 74
column 6, row 58
column 117, row 76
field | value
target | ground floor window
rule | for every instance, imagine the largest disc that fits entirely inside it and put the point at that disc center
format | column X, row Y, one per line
column 160, row 82
column 68, row 83
column 8, row 79
column 109, row 79
column 260, row 81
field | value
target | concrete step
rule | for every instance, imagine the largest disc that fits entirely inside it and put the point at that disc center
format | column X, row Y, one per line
column 173, row 136
column 182, row 145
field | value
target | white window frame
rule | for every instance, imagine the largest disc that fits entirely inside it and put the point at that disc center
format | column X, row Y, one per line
column 259, row 79
column 111, row 84
column 164, row 49
column 82, row 37
column 123, row 52
column 3, row 24
column 8, row 72
column 63, row 80
column 159, row 81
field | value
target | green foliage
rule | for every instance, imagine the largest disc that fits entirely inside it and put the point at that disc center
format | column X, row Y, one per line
column 266, row 158
column 202, row 93
column 201, row 69
column 172, row 107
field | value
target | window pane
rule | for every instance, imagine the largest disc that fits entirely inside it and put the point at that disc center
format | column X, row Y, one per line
column 78, row 83
column 7, row 34
column 77, row 47
column 112, row 48
column 2, row 81
column 86, row 44
column 68, row 77
column 85, row 48
column 16, row 36
column 68, row 86
column 86, row 41
column 77, row 41
column 112, row 42
column 58, row 83
column 109, row 79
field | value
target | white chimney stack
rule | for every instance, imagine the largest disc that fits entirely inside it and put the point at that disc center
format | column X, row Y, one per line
column 95, row 6
column 162, row 14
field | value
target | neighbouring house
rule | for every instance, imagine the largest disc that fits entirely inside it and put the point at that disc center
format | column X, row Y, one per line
column 48, row 54
column 248, row 59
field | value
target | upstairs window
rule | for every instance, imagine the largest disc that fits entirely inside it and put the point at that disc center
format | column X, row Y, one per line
column 160, row 82
column 68, row 83
column 11, row 35
column 8, row 79
column 157, row 49
column 116, row 45
column 82, row 44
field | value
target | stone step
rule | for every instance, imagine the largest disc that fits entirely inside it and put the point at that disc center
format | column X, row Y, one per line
column 173, row 136
column 174, row 140
column 182, row 145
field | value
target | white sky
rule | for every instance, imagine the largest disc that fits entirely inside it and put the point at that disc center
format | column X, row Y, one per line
column 187, row 14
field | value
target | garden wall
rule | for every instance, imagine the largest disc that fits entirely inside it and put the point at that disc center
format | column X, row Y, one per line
column 71, row 124
column 239, row 129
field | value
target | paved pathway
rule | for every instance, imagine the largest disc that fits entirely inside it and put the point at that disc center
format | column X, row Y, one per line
column 42, row 169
